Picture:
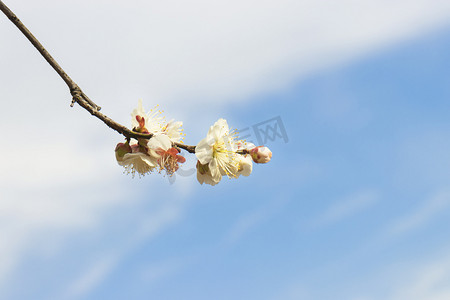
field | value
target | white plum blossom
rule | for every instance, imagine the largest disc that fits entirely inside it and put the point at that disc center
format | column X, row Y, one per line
column 147, row 154
column 218, row 152
column 204, row 174
column 167, row 158
column 153, row 122
column 135, row 159
column 173, row 130
column 143, row 122
column 140, row 163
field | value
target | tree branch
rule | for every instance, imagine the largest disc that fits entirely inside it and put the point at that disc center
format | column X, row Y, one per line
column 78, row 95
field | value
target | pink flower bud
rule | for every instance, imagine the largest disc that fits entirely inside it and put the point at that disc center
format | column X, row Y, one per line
column 261, row 154
column 121, row 150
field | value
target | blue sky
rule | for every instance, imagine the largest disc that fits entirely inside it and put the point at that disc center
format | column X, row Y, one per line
column 354, row 206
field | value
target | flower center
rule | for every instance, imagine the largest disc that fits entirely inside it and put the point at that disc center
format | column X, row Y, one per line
column 169, row 160
column 225, row 157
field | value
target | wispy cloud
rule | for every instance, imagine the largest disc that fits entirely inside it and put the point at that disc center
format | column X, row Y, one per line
column 421, row 215
column 29, row 215
column 93, row 276
column 346, row 207
column 246, row 223
column 154, row 272
column 425, row 278
column 425, row 282
column 96, row 273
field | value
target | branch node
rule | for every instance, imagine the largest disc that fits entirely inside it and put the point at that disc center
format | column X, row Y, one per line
column 76, row 94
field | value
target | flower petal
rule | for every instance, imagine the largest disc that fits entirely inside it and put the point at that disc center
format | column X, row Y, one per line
column 215, row 171
column 181, row 159
column 205, row 178
column 245, row 165
column 174, row 131
column 160, row 141
column 204, row 152
column 219, row 129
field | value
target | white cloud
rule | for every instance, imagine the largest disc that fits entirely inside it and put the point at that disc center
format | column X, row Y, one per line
column 92, row 277
column 425, row 278
column 346, row 207
column 425, row 282
column 202, row 50
column 421, row 215
column 249, row 221
column 422, row 276
column 384, row 268
column 35, row 222
column 245, row 224
column 150, row 226
column 154, row 272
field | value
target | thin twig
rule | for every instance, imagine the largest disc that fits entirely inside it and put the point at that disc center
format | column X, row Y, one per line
column 78, row 95
column 70, row 83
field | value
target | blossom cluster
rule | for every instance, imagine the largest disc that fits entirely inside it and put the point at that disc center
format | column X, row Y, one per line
column 221, row 153
column 146, row 155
